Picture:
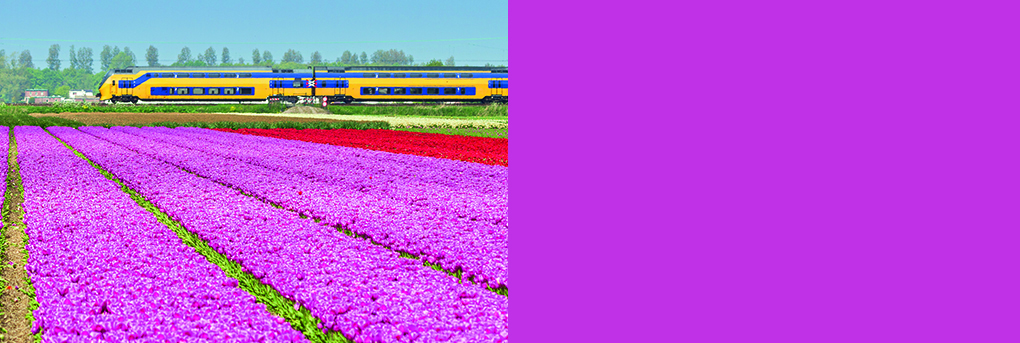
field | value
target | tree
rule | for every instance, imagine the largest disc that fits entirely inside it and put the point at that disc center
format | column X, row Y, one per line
column 184, row 56
column 152, row 56
column 267, row 58
column 292, row 56
column 225, row 56
column 53, row 62
column 121, row 61
column 85, row 59
column 73, row 61
column 25, row 60
column 434, row 63
column 131, row 57
column 390, row 57
column 346, row 57
column 12, row 84
column 240, row 61
column 13, row 59
column 209, row 57
column 3, row 59
column 63, row 91
column 449, row 61
column 256, row 58
column 316, row 58
column 364, row 58
column 105, row 57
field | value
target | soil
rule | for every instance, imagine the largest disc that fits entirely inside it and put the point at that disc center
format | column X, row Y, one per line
column 306, row 110
column 148, row 118
column 15, row 302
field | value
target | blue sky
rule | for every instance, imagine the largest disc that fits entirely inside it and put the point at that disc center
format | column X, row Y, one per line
column 474, row 32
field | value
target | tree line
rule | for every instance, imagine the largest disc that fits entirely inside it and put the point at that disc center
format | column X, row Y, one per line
column 18, row 72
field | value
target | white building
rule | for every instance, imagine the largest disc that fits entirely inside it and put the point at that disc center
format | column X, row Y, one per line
column 75, row 94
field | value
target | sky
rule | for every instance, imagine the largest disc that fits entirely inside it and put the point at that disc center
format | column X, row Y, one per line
column 474, row 32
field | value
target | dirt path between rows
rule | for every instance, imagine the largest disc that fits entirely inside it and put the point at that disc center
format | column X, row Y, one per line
column 16, row 303
column 149, row 118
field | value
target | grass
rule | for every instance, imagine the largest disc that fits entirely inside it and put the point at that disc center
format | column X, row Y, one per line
column 20, row 119
column 494, row 110
column 300, row 319
column 474, row 132
column 347, row 124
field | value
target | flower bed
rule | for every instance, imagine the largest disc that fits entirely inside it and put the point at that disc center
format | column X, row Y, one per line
column 105, row 269
column 458, row 230
column 493, row 151
column 362, row 290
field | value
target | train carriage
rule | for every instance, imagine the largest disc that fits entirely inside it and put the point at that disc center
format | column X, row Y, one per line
column 330, row 84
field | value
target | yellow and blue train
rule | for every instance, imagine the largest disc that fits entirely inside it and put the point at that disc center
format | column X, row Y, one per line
column 329, row 84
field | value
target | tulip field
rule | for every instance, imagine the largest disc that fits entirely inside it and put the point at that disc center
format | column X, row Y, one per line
column 159, row 234
column 471, row 149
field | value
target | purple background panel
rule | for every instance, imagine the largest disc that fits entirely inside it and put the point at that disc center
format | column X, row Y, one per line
column 814, row 172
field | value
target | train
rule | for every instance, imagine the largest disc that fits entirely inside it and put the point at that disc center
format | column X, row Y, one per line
column 328, row 85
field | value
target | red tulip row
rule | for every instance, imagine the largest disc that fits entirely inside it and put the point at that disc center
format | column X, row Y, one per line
column 492, row 151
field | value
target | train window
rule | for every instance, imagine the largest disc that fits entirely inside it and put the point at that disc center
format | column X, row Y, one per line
column 214, row 91
column 247, row 91
column 415, row 90
column 399, row 91
column 183, row 75
column 182, row 91
column 228, row 91
column 384, row 75
column 368, row 75
column 466, row 75
column 198, row 75
column 230, row 75
column 198, row 91
column 399, row 75
column 244, row 75
column 384, row 91
column 449, row 75
column 367, row 91
column 415, row 74
column 166, row 75
column 449, row 91
column 432, row 75
column 297, row 84
column 432, row 91
column 214, row 75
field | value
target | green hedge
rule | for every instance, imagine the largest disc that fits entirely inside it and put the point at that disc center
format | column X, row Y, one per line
column 222, row 108
column 357, row 125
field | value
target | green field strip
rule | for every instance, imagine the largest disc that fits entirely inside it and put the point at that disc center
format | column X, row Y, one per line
column 299, row 317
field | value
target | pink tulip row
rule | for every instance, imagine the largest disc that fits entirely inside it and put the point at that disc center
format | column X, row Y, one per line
column 105, row 270
column 364, row 291
column 438, row 234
